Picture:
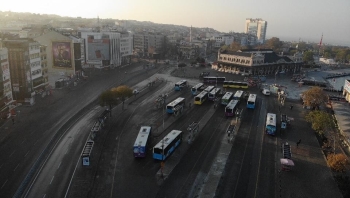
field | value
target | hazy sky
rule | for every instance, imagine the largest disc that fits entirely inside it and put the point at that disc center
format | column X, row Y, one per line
column 304, row 19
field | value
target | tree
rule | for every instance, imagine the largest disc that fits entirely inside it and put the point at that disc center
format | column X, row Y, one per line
column 314, row 97
column 122, row 92
column 337, row 162
column 273, row 43
column 320, row 121
column 235, row 46
column 308, row 56
column 107, row 98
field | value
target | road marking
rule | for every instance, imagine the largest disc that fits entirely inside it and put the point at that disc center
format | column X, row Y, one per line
column 23, row 141
column 52, row 179
column 66, row 151
column 4, row 184
column 116, row 138
column 44, row 196
column 59, row 165
column 36, row 142
column 16, row 167
column 12, row 153
column 26, row 153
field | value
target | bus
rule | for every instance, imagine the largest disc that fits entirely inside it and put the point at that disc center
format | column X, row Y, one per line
column 200, row 98
column 175, row 105
column 213, row 79
column 214, row 93
column 270, row 127
column 235, row 84
column 226, row 98
column 167, row 145
column 196, row 89
column 209, row 88
column 142, row 141
column 238, row 95
column 251, row 101
column 181, row 84
column 231, row 108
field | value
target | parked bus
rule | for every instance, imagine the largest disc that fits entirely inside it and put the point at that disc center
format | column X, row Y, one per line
column 213, row 79
column 270, row 127
column 175, row 105
column 214, row 94
column 197, row 88
column 209, row 88
column 238, row 95
column 142, row 141
column 235, row 84
column 226, row 98
column 231, row 108
column 251, row 101
column 181, row 84
column 167, row 145
column 200, row 98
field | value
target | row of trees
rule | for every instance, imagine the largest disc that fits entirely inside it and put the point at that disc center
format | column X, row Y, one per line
column 114, row 96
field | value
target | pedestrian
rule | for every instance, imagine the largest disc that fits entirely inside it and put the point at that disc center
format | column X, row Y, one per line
column 298, row 142
column 291, row 106
column 13, row 120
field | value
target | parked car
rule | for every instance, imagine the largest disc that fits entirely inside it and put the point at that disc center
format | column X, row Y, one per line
column 266, row 92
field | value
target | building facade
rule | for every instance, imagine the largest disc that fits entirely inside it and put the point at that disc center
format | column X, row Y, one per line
column 126, row 47
column 6, row 97
column 256, row 27
column 149, row 44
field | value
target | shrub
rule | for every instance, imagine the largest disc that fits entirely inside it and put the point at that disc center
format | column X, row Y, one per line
column 337, row 162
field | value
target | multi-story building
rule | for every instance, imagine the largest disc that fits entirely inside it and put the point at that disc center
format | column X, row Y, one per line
column 102, row 49
column 44, row 68
column 149, row 44
column 221, row 40
column 256, row 27
column 25, row 67
column 6, row 97
column 126, row 47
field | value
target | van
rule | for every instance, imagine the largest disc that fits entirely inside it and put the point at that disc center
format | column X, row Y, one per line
column 266, row 92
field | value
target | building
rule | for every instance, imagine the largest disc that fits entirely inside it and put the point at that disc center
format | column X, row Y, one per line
column 221, row 40
column 346, row 90
column 102, row 49
column 25, row 66
column 6, row 97
column 256, row 27
column 126, row 47
column 149, row 44
column 255, row 62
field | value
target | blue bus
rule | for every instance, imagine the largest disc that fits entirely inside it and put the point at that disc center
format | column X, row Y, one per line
column 175, row 105
column 226, row 98
column 179, row 85
column 142, row 141
column 230, row 108
column 251, row 101
column 270, row 127
column 167, row 145
column 214, row 93
column 197, row 88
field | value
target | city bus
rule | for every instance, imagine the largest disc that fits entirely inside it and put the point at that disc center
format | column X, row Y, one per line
column 238, row 95
column 214, row 93
column 231, row 108
column 167, row 145
column 142, row 141
column 209, row 88
column 200, row 98
column 270, row 127
column 226, row 98
column 179, row 85
column 251, row 101
column 235, row 84
column 196, row 89
column 213, row 79
column 175, row 105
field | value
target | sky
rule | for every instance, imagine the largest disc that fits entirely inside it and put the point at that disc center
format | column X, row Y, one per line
column 306, row 20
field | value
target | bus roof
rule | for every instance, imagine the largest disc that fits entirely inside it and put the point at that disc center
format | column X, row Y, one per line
column 231, row 104
column 227, row 95
column 215, row 90
column 201, row 94
column 238, row 93
column 198, row 85
column 271, row 119
column 209, row 88
column 142, row 137
column 176, row 101
column 168, row 139
column 252, row 97
column 181, row 82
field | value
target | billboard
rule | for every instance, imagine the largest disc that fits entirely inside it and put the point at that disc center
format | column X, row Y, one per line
column 62, row 54
column 98, row 49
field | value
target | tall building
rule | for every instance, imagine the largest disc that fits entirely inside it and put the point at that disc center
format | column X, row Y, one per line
column 256, row 27
column 149, row 44
column 5, row 83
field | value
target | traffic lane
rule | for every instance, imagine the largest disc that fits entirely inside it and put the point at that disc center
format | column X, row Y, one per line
column 183, row 177
column 55, row 167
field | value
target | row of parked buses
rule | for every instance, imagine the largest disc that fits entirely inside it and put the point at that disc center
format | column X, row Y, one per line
column 162, row 149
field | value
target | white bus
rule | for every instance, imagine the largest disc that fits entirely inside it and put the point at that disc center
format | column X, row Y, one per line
column 238, row 95
column 226, row 98
column 251, row 101
column 209, row 88
column 214, row 93
column 140, row 145
column 270, row 127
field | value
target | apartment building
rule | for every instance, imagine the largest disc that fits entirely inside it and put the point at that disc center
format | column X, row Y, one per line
column 147, row 44
column 256, row 27
column 6, row 97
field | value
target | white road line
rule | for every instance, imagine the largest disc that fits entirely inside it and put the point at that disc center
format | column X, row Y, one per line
column 66, row 151
column 59, row 165
column 26, row 153
column 4, row 184
column 44, row 196
column 16, row 167
column 12, row 153
column 52, row 179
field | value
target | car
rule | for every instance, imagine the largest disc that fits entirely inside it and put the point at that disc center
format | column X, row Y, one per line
column 135, row 91
column 266, row 92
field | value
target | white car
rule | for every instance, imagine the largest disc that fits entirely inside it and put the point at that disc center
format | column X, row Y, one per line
column 266, row 92
column 135, row 91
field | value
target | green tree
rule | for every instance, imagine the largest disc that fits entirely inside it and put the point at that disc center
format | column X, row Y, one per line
column 327, row 55
column 122, row 93
column 302, row 46
column 320, row 121
column 273, row 43
column 314, row 97
column 107, row 98
column 308, row 56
